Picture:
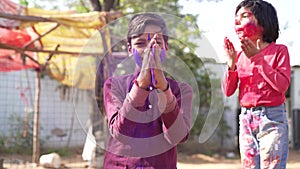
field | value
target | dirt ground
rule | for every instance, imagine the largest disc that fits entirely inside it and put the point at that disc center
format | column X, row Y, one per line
column 195, row 161
column 198, row 161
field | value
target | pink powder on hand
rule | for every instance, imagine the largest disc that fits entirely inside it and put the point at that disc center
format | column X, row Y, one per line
column 227, row 43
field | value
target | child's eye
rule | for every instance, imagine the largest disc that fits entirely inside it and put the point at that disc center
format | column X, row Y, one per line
column 243, row 15
column 140, row 43
column 246, row 14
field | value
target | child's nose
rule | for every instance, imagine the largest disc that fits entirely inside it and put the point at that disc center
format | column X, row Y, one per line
column 237, row 22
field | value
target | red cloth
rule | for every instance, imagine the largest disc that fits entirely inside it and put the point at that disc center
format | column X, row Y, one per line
column 9, row 59
column 14, row 62
column 263, row 79
column 17, row 38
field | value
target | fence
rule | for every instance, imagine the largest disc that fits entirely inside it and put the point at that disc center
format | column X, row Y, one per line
column 64, row 112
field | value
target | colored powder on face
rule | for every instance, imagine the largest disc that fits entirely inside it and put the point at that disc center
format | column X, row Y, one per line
column 162, row 55
column 138, row 58
column 250, row 30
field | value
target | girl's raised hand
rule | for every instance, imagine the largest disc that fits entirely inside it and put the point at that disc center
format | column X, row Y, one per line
column 250, row 49
column 230, row 52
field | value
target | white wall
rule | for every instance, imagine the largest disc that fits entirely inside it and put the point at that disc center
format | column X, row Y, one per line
column 295, row 88
column 295, row 108
column 231, row 103
column 17, row 96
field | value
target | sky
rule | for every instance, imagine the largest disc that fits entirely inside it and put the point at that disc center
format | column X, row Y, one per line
column 216, row 20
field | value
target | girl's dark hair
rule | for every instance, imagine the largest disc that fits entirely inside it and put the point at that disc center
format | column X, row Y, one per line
column 266, row 16
column 138, row 23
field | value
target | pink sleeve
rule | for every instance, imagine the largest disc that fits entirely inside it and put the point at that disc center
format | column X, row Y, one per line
column 230, row 82
column 119, row 105
column 279, row 76
column 176, row 123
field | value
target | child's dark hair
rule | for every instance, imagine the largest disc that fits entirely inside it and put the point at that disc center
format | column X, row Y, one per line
column 266, row 16
column 138, row 23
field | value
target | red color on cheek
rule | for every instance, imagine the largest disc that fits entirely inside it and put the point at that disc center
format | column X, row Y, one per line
column 250, row 30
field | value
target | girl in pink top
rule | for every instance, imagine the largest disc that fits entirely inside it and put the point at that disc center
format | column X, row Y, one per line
column 261, row 72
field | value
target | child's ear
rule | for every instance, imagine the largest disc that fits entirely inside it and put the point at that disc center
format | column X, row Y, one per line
column 167, row 46
column 129, row 48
